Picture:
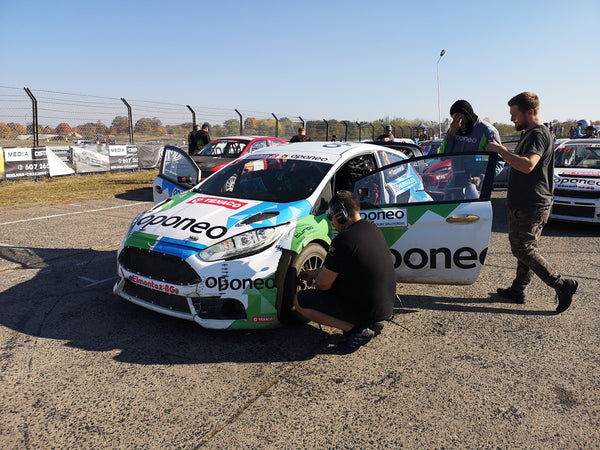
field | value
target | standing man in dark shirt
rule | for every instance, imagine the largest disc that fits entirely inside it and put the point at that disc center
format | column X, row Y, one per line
column 387, row 135
column 198, row 138
column 203, row 136
column 193, row 140
column 301, row 136
column 529, row 200
column 356, row 286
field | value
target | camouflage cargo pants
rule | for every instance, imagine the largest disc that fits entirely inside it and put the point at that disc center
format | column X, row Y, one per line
column 524, row 230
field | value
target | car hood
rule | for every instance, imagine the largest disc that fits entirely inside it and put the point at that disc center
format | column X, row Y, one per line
column 577, row 178
column 199, row 221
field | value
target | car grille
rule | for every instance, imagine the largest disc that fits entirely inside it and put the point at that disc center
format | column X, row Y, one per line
column 158, row 266
column 158, row 298
column 573, row 211
column 576, row 194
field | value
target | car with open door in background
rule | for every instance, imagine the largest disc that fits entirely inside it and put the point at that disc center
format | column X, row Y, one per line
column 210, row 158
column 226, row 252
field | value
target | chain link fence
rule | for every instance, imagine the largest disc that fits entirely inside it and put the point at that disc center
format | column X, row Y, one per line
column 32, row 117
column 16, row 114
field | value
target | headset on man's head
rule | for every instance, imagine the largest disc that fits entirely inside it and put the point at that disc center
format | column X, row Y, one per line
column 339, row 213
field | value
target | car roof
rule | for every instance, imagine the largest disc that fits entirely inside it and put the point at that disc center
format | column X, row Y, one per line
column 580, row 141
column 246, row 138
column 319, row 151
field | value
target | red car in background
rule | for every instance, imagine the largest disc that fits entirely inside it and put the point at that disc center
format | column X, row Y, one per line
column 220, row 152
column 438, row 174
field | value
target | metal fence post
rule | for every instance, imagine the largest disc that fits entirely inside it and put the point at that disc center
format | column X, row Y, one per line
column 276, row 125
column 193, row 116
column 36, row 136
column 241, row 123
column 326, row 130
column 130, row 119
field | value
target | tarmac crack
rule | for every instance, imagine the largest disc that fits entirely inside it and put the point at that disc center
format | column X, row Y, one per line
column 281, row 375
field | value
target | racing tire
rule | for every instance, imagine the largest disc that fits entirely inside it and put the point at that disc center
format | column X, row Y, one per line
column 311, row 257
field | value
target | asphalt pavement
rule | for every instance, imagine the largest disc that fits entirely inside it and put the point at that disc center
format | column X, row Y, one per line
column 457, row 368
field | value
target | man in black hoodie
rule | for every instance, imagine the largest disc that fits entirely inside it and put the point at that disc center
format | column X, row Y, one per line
column 468, row 134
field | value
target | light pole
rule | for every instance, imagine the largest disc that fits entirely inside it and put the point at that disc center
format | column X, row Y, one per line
column 442, row 53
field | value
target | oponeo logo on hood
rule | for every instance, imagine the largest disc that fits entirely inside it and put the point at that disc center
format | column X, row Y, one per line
column 183, row 223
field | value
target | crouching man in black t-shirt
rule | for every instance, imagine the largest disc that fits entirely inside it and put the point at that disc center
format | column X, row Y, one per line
column 356, row 286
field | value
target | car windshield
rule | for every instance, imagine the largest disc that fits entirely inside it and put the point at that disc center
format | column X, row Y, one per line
column 585, row 156
column 430, row 147
column 224, row 149
column 266, row 179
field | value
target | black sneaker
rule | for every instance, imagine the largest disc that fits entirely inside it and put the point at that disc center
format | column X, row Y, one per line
column 512, row 294
column 356, row 340
column 565, row 295
column 376, row 327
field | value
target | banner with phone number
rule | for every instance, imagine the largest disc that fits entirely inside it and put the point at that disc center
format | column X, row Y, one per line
column 123, row 157
column 22, row 162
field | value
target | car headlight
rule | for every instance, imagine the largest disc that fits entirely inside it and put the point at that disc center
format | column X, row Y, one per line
column 243, row 244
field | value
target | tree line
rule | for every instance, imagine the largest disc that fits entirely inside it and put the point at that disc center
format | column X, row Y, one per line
column 251, row 126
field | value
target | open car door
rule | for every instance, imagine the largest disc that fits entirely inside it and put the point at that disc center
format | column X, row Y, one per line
column 438, row 228
column 177, row 173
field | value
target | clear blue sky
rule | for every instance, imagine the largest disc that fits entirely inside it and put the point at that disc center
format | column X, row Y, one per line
column 351, row 60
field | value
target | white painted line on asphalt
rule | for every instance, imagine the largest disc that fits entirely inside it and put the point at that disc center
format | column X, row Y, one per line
column 2, row 244
column 71, row 213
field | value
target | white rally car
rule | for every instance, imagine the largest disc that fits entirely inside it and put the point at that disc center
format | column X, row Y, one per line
column 577, row 181
column 226, row 252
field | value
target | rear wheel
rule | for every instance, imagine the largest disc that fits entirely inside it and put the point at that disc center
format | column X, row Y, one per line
column 311, row 257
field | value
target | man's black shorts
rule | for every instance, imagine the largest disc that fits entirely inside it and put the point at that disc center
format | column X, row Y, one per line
column 329, row 303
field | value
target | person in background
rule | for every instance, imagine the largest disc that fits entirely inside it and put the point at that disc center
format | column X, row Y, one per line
column 387, row 135
column 193, row 140
column 301, row 136
column 529, row 200
column 468, row 134
column 590, row 132
column 198, row 138
column 355, row 289
column 575, row 132
column 203, row 136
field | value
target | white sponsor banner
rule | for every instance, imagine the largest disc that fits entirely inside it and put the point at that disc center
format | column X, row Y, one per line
column 117, row 150
column 17, row 154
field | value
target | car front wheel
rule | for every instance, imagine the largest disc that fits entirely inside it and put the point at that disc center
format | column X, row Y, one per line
column 311, row 257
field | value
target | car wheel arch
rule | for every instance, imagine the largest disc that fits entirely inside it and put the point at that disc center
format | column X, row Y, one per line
column 286, row 278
